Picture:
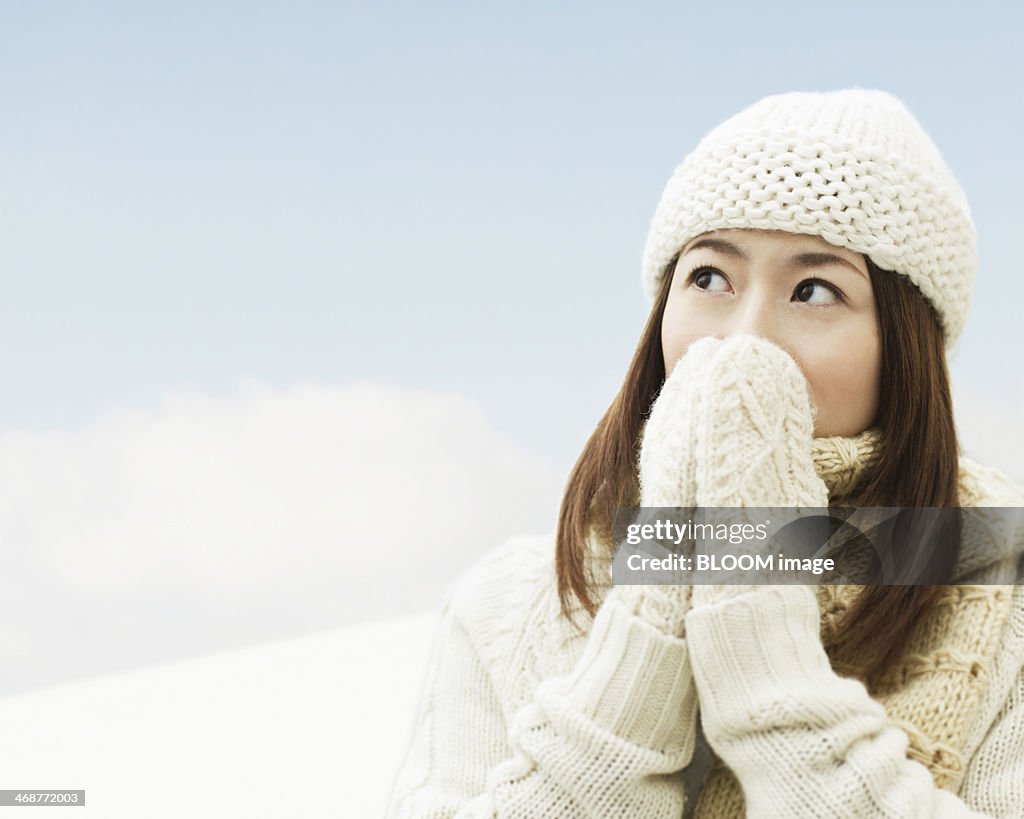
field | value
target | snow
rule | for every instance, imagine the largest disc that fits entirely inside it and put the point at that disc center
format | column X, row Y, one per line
column 306, row 727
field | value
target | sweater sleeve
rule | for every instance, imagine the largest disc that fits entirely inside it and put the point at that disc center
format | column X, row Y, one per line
column 605, row 740
column 994, row 780
column 804, row 741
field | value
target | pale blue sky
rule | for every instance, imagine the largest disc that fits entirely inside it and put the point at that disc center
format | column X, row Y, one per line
column 452, row 195
column 234, row 235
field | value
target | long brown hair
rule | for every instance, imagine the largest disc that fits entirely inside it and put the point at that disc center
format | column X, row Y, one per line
column 919, row 466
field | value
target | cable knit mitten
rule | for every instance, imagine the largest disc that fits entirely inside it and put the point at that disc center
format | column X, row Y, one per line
column 667, row 470
column 755, row 437
column 669, row 440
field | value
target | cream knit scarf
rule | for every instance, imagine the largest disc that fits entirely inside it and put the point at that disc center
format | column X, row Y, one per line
column 934, row 690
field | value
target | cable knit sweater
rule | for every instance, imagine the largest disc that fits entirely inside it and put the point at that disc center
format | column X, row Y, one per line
column 523, row 715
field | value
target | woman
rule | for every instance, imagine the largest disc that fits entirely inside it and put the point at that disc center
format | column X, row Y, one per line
column 810, row 262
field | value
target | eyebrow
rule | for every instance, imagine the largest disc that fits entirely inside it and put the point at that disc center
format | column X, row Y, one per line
column 803, row 260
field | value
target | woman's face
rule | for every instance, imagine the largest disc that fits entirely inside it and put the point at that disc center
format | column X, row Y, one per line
column 809, row 297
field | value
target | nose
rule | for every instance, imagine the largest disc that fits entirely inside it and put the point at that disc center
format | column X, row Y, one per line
column 755, row 317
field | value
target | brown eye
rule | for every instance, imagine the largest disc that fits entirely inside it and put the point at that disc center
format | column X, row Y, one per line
column 704, row 278
column 816, row 292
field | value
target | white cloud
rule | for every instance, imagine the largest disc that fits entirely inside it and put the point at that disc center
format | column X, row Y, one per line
column 223, row 492
column 210, row 521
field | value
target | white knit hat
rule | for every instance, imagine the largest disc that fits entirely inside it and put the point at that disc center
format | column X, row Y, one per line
column 851, row 166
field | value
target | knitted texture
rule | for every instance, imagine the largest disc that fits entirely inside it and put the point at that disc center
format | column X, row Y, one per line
column 754, row 449
column 852, row 166
column 487, row 740
column 667, row 477
column 661, row 604
column 522, row 714
column 844, row 462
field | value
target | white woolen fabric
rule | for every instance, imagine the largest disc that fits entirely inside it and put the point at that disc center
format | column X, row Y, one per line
column 511, row 722
column 852, row 166
column 523, row 716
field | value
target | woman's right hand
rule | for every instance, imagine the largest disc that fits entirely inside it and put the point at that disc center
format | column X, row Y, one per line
column 667, row 469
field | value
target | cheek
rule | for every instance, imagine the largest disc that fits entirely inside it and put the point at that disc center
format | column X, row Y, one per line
column 679, row 329
column 673, row 345
column 843, row 382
